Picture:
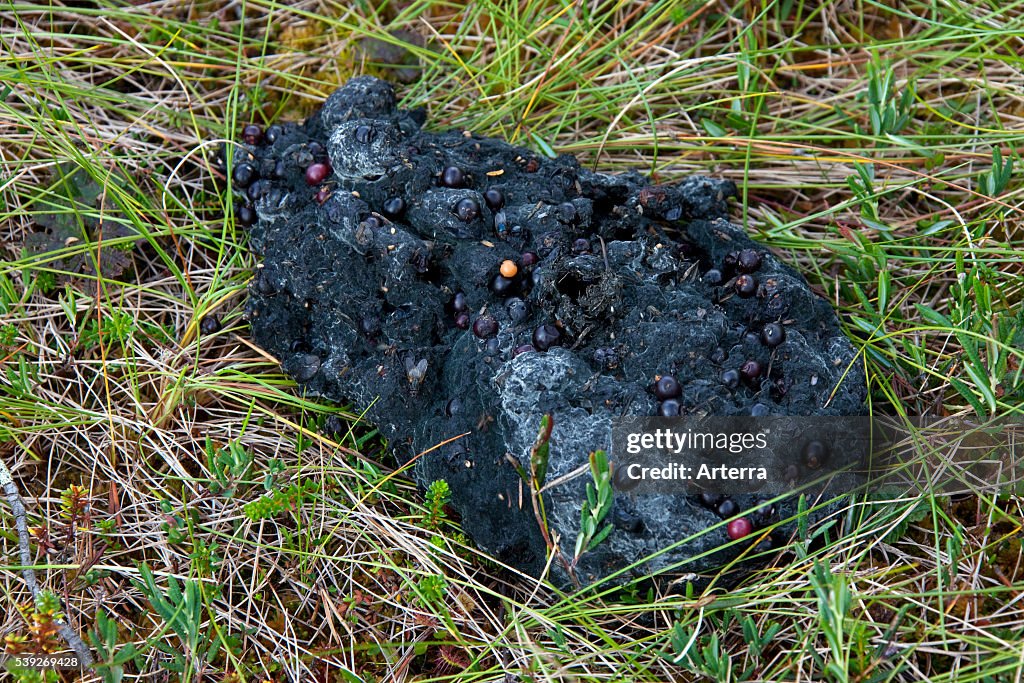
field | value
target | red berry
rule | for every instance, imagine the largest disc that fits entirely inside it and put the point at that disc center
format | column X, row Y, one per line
column 738, row 528
column 317, row 173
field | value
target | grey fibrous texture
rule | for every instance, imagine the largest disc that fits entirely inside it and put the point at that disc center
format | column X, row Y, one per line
column 350, row 298
column 73, row 640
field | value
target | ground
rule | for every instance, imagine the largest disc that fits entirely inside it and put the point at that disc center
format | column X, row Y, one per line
column 198, row 516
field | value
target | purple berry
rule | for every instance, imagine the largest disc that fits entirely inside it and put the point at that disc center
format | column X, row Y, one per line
column 317, row 173
column 738, row 528
column 485, row 326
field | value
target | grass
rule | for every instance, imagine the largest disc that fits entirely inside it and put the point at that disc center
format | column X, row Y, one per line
column 217, row 533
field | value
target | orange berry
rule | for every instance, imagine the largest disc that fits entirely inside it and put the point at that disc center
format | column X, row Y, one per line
column 508, row 269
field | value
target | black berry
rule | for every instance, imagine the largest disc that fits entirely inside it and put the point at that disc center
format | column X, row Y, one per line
column 394, row 207
column 750, row 370
column 502, row 286
column 748, row 260
column 459, row 303
column 467, row 209
column 252, row 134
column 745, row 286
column 758, row 410
column 494, row 198
column 727, row 508
column 581, row 245
column 527, row 259
column 713, row 277
column 731, row 378
column 363, row 134
column 273, row 133
column 452, row 176
column 772, row 335
column 209, row 325
column 373, row 222
column 546, row 336
column 245, row 215
column 462, row 321
column 244, row 174
column 669, row 408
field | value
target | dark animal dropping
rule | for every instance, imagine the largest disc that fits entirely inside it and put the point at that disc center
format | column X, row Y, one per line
column 625, row 315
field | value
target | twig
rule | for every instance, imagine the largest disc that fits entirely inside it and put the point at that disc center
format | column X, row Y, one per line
column 28, row 573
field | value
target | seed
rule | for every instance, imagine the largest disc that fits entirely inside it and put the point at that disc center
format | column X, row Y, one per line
column 245, row 215
column 750, row 370
column 508, row 268
column 459, row 303
column 485, row 326
column 452, row 176
column 244, row 174
column 502, row 286
column 394, row 207
column 363, row 134
column 758, row 410
column 462, row 321
column 467, row 209
column 532, row 165
column 494, row 198
column 731, row 379
column 523, row 348
column 727, row 508
column 738, row 528
column 748, row 260
column 745, row 286
column 273, row 133
column 669, row 408
column 772, row 335
column 252, row 134
column 667, row 387
column 815, row 454
column 713, row 277
column 316, row 173
column 209, row 325
column 546, row 336
column 528, row 259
